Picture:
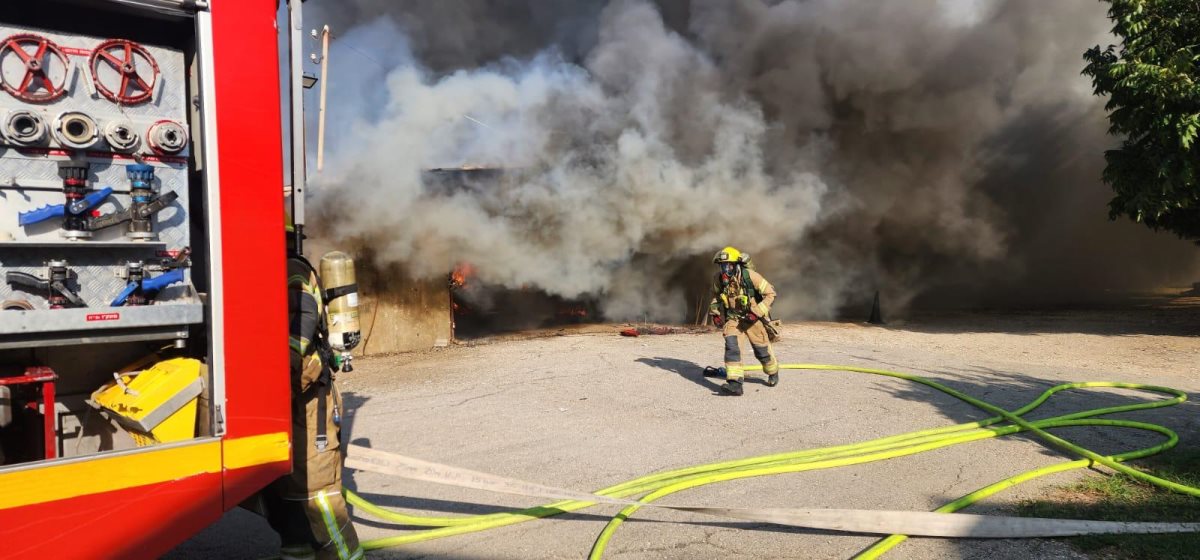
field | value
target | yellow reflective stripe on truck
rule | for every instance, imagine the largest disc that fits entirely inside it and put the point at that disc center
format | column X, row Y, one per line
column 62, row 479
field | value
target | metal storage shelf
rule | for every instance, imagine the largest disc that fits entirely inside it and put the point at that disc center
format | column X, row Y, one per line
column 54, row 320
column 75, row 338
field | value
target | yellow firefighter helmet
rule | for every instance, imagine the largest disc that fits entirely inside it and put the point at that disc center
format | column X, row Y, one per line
column 729, row 255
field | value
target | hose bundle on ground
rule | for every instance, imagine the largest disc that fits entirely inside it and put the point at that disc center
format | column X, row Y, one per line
column 649, row 488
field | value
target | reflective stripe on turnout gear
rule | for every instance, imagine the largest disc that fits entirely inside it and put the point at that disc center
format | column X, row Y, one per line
column 331, row 527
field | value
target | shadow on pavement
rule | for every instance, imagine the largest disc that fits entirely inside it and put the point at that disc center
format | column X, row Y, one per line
column 694, row 372
column 351, row 403
column 686, row 369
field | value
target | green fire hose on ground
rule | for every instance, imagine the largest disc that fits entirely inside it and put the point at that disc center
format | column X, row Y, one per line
column 652, row 487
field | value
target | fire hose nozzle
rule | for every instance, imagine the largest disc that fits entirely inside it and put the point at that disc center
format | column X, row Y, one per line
column 54, row 289
column 76, row 207
column 140, row 172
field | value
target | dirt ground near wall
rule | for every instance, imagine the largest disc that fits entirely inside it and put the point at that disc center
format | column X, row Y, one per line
column 585, row 408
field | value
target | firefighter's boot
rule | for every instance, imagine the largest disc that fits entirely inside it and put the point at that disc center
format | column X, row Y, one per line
column 766, row 356
column 732, row 387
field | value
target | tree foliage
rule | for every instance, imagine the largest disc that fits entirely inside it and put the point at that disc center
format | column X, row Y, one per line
column 1152, row 81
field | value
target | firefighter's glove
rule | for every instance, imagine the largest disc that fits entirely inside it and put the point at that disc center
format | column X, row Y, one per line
column 718, row 320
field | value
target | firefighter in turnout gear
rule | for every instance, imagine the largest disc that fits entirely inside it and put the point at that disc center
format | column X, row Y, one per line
column 306, row 507
column 741, row 304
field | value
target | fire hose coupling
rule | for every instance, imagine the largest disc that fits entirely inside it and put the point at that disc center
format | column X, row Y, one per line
column 141, row 290
column 76, row 130
column 167, row 137
column 121, row 136
column 25, row 128
column 54, row 287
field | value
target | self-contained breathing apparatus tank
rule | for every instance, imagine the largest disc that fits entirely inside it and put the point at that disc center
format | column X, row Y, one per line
column 341, row 301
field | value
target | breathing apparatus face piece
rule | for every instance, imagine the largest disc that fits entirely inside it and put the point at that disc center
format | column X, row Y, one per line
column 728, row 268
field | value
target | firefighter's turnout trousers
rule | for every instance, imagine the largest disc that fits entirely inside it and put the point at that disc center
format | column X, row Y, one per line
column 756, row 333
column 735, row 298
column 306, row 507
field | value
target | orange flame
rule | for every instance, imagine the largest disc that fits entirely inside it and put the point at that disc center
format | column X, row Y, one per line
column 461, row 274
column 573, row 311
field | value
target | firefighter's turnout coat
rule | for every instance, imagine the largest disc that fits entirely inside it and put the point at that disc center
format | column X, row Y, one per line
column 735, row 298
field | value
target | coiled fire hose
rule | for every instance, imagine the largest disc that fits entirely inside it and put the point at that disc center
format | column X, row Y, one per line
column 649, row 488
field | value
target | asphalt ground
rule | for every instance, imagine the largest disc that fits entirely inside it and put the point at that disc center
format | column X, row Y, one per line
column 588, row 409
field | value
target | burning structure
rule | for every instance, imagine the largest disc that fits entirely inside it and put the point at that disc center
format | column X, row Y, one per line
column 401, row 311
column 479, row 307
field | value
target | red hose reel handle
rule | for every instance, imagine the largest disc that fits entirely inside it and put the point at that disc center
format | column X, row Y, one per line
column 122, row 55
column 36, row 86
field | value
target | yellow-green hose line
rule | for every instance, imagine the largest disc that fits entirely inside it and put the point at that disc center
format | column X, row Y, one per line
column 606, row 534
column 647, row 483
column 661, row 484
column 881, row 443
column 872, row 445
column 876, row 550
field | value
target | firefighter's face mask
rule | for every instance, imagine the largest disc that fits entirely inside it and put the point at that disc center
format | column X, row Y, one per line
column 728, row 268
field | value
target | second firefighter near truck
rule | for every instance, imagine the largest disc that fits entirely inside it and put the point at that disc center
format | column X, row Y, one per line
column 741, row 304
column 306, row 507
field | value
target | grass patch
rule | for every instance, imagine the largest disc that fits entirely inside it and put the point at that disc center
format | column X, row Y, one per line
column 1117, row 497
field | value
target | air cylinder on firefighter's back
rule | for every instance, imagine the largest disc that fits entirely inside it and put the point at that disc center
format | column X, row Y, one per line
column 341, row 295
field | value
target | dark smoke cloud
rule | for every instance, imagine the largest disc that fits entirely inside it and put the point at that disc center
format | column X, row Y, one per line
column 947, row 151
column 448, row 36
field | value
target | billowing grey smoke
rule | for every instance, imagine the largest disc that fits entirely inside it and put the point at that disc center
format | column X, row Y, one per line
column 849, row 146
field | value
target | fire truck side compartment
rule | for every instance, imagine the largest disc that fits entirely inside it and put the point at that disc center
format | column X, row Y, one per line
column 107, row 119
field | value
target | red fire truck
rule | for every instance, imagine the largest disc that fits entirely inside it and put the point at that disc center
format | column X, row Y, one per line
column 143, row 341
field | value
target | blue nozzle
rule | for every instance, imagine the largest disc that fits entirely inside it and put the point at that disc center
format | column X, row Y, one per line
column 140, row 174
